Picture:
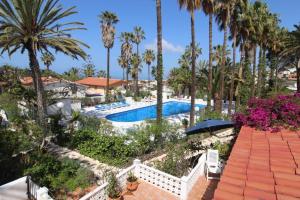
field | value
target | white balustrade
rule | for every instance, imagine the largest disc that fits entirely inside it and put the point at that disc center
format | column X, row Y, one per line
column 177, row 186
column 187, row 182
column 161, row 179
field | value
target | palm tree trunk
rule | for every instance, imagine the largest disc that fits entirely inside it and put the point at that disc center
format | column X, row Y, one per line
column 193, row 86
column 298, row 77
column 221, row 92
column 127, row 79
column 209, row 87
column 107, row 98
column 237, row 92
column 259, row 78
column 159, row 64
column 137, row 73
column 253, row 72
column 148, row 76
column 39, row 88
column 123, row 74
column 232, row 74
column 47, row 66
column 276, row 78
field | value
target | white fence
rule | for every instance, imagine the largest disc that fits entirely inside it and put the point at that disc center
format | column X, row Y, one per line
column 187, row 182
column 179, row 187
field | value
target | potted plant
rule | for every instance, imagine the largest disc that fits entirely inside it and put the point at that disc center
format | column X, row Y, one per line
column 132, row 182
column 113, row 189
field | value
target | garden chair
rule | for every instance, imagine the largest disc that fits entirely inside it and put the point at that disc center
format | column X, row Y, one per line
column 213, row 165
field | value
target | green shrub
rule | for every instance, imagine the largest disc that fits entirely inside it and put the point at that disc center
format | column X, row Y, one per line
column 174, row 163
column 110, row 149
column 58, row 175
column 223, row 148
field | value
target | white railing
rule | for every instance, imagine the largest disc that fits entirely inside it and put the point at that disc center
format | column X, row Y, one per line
column 100, row 192
column 177, row 186
column 160, row 179
column 187, row 182
column 32, row 188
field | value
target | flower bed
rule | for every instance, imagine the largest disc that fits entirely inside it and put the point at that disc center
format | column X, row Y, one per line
column 271, row 114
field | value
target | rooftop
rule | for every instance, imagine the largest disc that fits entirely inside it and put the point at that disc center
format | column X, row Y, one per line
column 27, row 80
column 262, row 165
column 99, row 82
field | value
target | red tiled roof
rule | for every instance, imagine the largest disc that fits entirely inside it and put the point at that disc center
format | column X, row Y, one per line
column 27, row 80
column 262, row 166
column 100, row 82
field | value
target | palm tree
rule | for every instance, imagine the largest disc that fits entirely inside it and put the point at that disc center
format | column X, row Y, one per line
column 191, row 6
column 159, row 66
column 148, row 58
column 47, row 59
column 222, row 17
column 89, row 70
column 126, row 52
column 138, row 36
column 209, row 9
column 122, row 64
column 101, row 74
column 135, row 69
column 108, row 20
column 43, row 19
column 235, row 27
column 72, row 74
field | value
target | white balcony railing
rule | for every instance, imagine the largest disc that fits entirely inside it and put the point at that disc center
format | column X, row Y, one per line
column 177, row 186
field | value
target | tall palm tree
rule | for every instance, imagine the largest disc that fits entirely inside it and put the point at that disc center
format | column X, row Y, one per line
column 126, row 52
column 223, row 18
column 43, row 19
column 209, row 9
column 122, row 64
column 135, row 69
column 260, row 12
column 138, row 36
column 148, row 58
column 191, row 6
column 159, row 67
column 47, row 59
column 235, row 27
column 108, row 20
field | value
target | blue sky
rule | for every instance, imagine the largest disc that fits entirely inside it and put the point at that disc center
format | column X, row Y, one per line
column 176, row 30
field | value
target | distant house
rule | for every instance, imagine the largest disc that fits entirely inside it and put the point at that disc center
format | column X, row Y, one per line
column 96, row 86
column 61, row 88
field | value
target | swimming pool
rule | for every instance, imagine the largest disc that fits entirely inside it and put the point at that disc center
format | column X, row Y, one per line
column 149, row 112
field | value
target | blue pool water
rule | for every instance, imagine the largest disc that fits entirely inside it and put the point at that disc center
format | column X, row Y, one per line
column 149, row 112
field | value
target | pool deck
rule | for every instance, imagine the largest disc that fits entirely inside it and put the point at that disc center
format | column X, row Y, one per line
column 123, row 126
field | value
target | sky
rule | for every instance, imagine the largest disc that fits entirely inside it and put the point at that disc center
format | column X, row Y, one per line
column 131, row 13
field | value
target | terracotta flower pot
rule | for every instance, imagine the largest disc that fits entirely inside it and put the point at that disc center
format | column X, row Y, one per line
column 132, row 186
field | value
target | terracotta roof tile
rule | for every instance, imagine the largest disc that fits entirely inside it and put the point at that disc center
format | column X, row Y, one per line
column 99, row 82
column 264, row 165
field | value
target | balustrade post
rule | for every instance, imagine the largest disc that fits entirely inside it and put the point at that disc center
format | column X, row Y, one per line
column 184, row 186
column 137, row 163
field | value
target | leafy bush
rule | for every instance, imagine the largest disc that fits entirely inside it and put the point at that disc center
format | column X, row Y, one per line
column 271, row 113
column 174, row 163
column 206, row 114
column 223, row 148
column 9, row 103
column 58, row 175
column 110, row 149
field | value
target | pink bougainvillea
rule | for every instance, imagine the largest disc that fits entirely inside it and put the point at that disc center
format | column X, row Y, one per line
column 270, row 114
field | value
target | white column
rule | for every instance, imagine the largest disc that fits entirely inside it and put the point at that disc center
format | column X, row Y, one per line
column 184, row 190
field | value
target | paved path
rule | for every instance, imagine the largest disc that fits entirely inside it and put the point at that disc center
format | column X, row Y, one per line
column 95, row 166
